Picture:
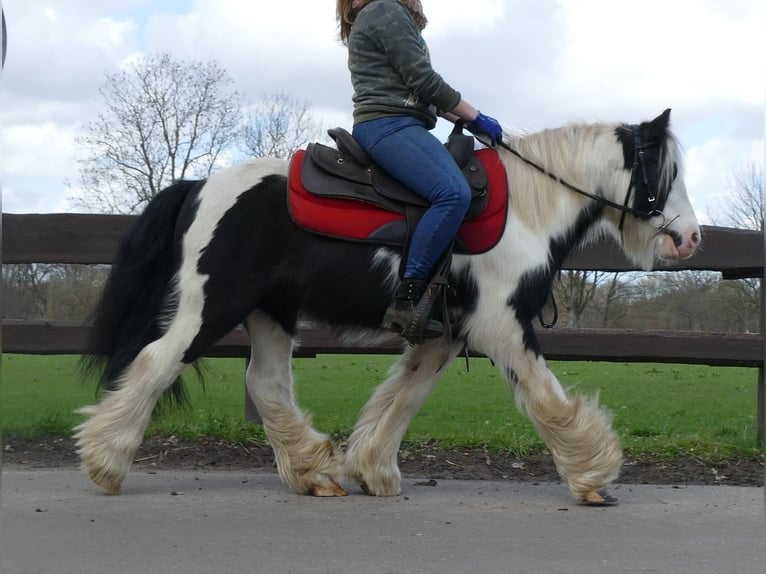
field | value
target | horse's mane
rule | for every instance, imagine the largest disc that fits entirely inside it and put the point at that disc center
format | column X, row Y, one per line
column 578, row 154
column 535, row 196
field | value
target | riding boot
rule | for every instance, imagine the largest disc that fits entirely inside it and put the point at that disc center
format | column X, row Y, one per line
column 409, row 314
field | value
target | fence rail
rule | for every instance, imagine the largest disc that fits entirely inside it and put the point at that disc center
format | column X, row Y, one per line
column 93, row 239
column 89, row 239
column 615, row 345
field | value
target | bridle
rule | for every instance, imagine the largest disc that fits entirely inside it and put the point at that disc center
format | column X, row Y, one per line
column 655, row 199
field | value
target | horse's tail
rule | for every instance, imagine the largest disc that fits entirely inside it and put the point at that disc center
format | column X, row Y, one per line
column 128, row 315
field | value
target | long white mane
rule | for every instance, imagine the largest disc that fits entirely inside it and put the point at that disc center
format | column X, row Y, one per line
column 575, row 153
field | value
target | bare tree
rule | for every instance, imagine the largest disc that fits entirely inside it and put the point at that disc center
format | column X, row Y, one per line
column 164, row 120
column 73, row 290
column 585, row 296
column 743, row 208
column 279, row 125
column 612, row 299
column 24, row 290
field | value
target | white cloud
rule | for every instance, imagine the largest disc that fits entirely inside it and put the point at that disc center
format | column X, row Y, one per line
column 659, row 49
column 454, row 19
column 107, row 34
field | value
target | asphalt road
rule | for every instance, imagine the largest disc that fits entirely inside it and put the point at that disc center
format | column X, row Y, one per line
column 236, row 522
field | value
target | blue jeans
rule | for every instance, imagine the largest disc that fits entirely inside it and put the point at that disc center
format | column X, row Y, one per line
column 408, row 152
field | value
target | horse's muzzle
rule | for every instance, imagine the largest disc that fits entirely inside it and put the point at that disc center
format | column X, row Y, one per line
column 679, row 244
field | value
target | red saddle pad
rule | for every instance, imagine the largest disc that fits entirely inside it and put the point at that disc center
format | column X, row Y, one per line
column 355, row 220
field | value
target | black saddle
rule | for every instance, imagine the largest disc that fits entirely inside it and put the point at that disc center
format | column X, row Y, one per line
column 349, row 172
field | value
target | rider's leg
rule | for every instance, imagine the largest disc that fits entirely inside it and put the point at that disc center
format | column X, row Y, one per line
column 406, row 150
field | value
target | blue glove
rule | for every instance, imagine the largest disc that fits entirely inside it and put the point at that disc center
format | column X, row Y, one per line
column 487, row 126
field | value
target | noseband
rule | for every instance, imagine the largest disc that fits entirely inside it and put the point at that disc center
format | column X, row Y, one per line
column 653, row 199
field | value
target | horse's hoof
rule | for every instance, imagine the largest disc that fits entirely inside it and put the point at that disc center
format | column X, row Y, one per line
column 332, row 489
column 365, row 488
column 110, row 482
column 369, row 491
column 600, row 498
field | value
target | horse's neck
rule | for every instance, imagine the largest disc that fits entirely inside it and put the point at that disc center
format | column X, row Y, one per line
column 538, row 200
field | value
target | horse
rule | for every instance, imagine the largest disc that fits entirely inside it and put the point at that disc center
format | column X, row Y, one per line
column 207, row 256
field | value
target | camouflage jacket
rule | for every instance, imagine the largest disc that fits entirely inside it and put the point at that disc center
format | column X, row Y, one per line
column 391, row 69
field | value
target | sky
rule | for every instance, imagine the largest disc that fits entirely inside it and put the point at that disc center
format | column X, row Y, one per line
column 532, row 64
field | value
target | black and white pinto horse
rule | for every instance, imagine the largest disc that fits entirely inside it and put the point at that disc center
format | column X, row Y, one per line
column 206, row 256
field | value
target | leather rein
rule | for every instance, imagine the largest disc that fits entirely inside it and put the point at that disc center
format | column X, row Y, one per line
column 638, row 169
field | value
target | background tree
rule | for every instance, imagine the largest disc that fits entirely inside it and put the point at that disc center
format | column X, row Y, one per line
column 575, row 290
column 279, row 125
column 163, row 120
column 743, row 209
column 592, row 298
column 611, row 302
column 24, row 291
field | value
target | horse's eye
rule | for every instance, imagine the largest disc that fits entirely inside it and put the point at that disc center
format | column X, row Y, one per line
column 675, row 171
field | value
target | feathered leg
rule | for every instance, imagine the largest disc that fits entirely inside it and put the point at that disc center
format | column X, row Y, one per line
column 307, row 460
column 371, row 457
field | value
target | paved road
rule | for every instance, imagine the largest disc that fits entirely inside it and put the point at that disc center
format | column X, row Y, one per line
column 235, row 522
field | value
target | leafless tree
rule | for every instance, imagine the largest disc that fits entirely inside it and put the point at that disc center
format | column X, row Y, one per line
column 279, row 125
column 575, row 290
column 24, row 290
column 588, row 298
column 163, row 120
column 612, row 300
column 743, row 209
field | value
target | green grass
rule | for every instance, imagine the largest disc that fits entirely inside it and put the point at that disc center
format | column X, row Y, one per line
column 663, row 410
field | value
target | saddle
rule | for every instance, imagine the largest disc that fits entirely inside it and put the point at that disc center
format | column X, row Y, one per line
column 348, row 172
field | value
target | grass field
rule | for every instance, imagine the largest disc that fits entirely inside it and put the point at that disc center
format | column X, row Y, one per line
column 659, row 409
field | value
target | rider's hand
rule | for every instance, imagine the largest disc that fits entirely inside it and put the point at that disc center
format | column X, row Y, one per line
column 487, row 126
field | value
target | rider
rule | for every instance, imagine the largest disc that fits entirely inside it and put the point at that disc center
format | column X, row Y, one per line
column 397, row 96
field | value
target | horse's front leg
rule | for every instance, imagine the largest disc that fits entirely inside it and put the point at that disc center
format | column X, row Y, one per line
column 578, row 433
column 371, row 456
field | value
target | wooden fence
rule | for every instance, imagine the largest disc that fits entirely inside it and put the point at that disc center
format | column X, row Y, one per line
column 92, row 239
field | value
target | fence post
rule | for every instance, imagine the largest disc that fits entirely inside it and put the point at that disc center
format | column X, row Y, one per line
column 761, row 403
column 761, row 398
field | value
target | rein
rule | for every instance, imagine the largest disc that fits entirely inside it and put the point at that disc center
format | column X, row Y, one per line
column 639, row 167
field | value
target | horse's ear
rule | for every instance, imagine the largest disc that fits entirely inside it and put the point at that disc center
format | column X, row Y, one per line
column 661, row 123
column 658, row 127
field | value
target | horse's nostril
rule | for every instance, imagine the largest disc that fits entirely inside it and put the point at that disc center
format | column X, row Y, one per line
column 695, row 238
column 676, row 237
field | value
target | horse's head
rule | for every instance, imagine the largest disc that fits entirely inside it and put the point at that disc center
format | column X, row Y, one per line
column 661, row 224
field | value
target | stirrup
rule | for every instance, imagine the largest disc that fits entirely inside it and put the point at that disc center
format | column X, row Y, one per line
column 422, row 327
column 415, row 325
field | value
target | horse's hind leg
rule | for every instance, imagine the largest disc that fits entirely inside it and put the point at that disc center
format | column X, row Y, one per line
column 371, row 457
column 108, row 439
column 307, row 460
